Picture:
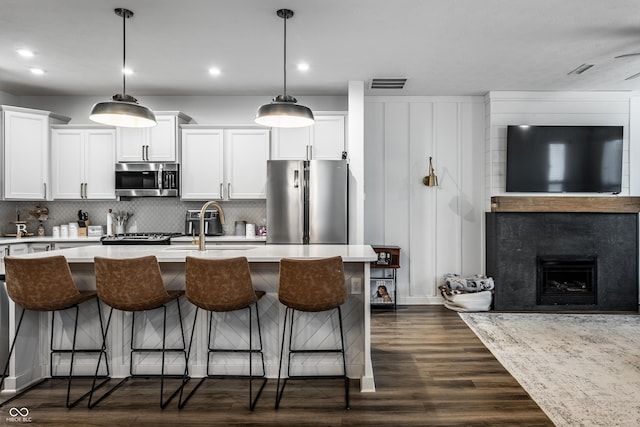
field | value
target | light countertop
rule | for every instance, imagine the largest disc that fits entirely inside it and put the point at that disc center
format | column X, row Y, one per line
column 174, row 240
column 220, row 239
column 47, row 239
column 257, row 252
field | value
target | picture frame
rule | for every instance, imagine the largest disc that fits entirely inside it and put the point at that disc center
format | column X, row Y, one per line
column 382, row 291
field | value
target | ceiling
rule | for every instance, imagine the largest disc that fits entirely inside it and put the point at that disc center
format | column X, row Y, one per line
column 443, row 47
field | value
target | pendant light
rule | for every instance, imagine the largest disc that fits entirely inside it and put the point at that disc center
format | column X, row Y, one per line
column 123, row 110
column 283, row 111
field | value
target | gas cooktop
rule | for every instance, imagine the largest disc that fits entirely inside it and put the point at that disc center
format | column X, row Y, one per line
column 139, row 239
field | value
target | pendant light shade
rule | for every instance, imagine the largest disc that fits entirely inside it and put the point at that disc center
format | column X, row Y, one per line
column 283, row 111
column 123, row 110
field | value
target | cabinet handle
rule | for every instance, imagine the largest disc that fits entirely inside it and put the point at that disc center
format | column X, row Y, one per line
column 296, row 180
column 228, row 190
column 45, row 189
column 221, row 190
column 82, row 190
column 146, row 153
column 85, row 191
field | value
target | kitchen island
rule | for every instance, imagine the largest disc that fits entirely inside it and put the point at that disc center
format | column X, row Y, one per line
column 32, row 359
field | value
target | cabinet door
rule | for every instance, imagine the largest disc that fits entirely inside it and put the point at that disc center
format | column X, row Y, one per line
column 201, row 168
column 99, row 164
column 246, row 152
column 67, row 163
column 327, row 137
column 162, row 140
column 26, row 163
column 4, row 251
column 19, row 249
column 132, row 143
column 39, row 247
column 290, row 143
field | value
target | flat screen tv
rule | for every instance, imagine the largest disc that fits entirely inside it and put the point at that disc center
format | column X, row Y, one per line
column 564, row 159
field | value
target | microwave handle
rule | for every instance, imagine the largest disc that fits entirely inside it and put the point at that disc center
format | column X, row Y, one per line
column 160, row 177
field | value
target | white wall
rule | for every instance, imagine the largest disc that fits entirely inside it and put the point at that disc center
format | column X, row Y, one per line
column 554, row 108
column 7, row 99
column 439, row 229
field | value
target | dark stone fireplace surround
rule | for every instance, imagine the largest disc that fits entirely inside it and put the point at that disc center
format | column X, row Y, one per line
column 515, row 240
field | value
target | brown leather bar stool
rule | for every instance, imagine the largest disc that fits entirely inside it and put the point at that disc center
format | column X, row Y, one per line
column 135, row 285
column 311, row 286
column 224, row 285
column 46, row 284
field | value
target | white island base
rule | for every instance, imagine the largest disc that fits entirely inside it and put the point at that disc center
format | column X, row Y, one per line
column 31, row 361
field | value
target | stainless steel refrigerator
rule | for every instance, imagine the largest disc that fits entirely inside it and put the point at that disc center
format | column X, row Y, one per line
column 307, row 201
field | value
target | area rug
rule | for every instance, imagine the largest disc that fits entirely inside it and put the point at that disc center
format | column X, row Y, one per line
column 581, row 369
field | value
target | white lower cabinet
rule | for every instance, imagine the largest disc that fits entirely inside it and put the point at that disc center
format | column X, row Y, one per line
column 83, row 162
column 67, row 245
column 19, row 249
column 40, row 247
column 224, row 164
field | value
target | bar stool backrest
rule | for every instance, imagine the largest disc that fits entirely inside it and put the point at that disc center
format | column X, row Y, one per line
column 131, row 284
column 42, row 284
column 312, row 285
column 219, row 284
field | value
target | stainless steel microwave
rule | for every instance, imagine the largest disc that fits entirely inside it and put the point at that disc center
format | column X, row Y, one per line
column 147, row 179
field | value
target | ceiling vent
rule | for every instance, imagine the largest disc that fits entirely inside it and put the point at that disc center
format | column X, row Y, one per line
column 387, row 83
column 580, row 69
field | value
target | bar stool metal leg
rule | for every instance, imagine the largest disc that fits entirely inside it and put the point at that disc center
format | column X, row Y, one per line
column 289, row 313
column 73, row 350
column 252, row 400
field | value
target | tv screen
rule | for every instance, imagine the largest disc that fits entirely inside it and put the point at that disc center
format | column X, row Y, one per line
column 558, row 159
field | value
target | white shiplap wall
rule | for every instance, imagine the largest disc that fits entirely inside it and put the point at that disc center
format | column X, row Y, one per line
column 439, row 229
column 551, row 108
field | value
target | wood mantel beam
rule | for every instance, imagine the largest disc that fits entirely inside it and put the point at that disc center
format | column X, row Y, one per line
column 604, row 204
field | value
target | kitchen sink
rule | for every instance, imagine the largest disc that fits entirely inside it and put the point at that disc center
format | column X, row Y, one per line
column 179, row 248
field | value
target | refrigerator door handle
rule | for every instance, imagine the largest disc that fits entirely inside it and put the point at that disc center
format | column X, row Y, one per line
column 296, row 180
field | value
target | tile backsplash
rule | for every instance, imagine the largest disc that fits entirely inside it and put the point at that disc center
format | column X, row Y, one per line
column 149, row 214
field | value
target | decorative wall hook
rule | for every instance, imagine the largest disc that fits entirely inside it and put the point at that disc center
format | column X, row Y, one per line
column 431, row 180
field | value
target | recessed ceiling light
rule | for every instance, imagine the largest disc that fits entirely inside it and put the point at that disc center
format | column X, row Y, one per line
column 127, row 71
column 303, row 67
column 37, row 71
column 25, row 53
column 215, row 71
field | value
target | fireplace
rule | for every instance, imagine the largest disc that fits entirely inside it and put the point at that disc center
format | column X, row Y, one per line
column 563, row 280
column 563, row 261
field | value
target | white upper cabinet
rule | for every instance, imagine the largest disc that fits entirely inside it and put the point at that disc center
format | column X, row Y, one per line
column 26, row 152
column 224, row 164
column 325, row 140
column 202, row 166
column 83, row 162
column 160, row 143
column 247, row 152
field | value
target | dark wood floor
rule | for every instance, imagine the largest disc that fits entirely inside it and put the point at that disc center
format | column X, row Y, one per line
column 430, row 370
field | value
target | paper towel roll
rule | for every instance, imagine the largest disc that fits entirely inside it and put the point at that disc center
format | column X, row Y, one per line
column 250, row 230
column 241, row 228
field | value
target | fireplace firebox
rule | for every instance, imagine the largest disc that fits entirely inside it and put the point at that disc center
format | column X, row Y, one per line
column 563, row 280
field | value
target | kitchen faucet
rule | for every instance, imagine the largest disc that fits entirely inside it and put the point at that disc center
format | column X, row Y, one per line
column 202, row 211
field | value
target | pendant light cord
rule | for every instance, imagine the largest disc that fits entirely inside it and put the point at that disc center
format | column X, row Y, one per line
column 284, row 65
column 124, row 53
